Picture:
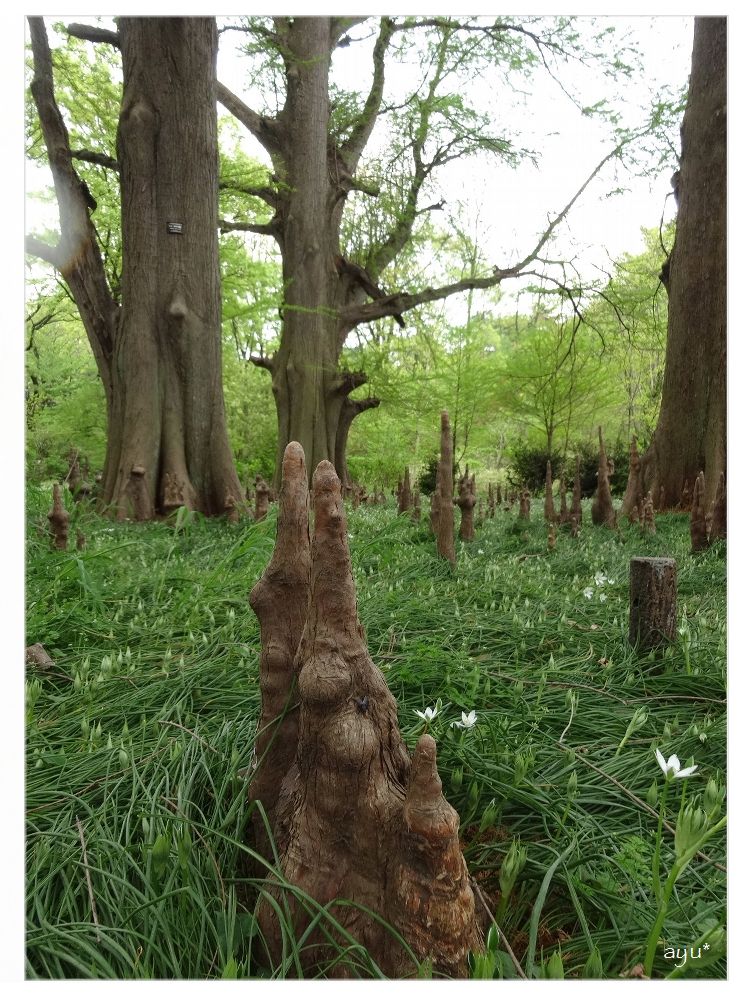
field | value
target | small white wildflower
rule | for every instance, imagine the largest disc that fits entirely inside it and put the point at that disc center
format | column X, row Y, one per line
column 468, row 721
column 673, row 766
column 601, row 598
column 600, row 579
column 588, row 592
column 428, row 714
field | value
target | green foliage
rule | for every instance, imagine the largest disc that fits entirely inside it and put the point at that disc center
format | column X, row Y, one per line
column 65, row 404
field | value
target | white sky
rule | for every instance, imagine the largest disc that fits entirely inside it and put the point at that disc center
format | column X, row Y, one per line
column 619, row 233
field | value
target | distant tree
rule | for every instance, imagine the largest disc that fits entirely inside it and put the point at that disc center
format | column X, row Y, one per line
column 316, row 141
column 691, row 432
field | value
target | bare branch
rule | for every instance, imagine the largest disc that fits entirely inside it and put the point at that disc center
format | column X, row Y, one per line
column 352, row 148
column 348, row 381
column 52, row 254
column 88, row 33
column 100, row 159
column 264, row 129
column 558, row 219
column 267, row 194
column 340, row 25
column 263, row 361
column 261, row 228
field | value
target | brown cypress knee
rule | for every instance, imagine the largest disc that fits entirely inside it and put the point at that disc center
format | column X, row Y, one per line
column 446, row 526
column 58, row 519
column 355, row 819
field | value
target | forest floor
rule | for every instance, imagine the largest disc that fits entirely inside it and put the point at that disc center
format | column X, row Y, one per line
column 138, row 738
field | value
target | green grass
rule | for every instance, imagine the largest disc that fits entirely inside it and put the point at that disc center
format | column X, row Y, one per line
column 136, row 738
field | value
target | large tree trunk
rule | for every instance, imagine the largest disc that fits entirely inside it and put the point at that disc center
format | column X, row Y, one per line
column 159, row 352
column 310, row 390
column 691, row 432
column 167, row 415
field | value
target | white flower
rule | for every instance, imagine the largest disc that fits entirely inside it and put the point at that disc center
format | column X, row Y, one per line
column 601, row 598
column 600, row 579
column 428, row 714
column 611, row 580
column 468, row 721
column 481, row 552
column 673, row 766
column 588, row 592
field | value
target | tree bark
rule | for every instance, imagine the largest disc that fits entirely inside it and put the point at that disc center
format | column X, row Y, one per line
column 652, row 602
column 168, row 406
column 691, row 432
column 159, row 353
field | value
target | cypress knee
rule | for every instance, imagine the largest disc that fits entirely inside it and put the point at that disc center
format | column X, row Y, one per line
column 58, row 519
column 697, row 523
column 550, row 515
column 718, row 522
column 355, row 819
column 446, row 526
column 576, row 510
column 652, row 602
column 602, row 509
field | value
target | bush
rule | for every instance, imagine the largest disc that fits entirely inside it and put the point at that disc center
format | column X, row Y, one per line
column 427, row 478
column 528, row 467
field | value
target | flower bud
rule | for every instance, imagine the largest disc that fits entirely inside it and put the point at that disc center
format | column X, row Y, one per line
column 554, row 967
column 512, row 866
column 594, row 966
column 713, row 796
column 652, row 796
column 572, row 785
column 691, row 824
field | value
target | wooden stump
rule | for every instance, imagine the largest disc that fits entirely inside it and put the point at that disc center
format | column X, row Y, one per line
column 652, row 602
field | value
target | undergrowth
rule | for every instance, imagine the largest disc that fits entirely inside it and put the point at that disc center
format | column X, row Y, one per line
column 140, row 737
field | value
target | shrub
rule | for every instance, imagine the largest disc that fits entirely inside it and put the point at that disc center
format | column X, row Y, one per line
column 528, row 466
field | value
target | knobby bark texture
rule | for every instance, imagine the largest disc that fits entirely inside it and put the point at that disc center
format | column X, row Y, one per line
column 159, row 351
column 466, row 501
column 353, row 818
column 602, row 509
column 280, row 601
column 445, row 524
column 690, row 435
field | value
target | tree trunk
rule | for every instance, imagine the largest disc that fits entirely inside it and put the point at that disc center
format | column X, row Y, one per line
column 167, row 414
column 691, row 432
column 159, row 352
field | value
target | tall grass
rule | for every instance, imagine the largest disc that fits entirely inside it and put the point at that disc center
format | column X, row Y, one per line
column 139, row 738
